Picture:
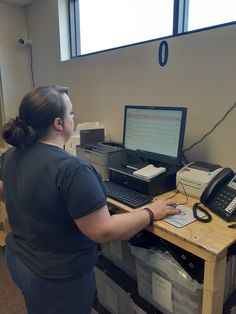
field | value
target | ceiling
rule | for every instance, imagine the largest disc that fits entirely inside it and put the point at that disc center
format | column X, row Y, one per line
column 18, row 2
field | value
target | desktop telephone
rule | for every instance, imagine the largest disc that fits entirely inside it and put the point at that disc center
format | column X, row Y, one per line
column 220, row 195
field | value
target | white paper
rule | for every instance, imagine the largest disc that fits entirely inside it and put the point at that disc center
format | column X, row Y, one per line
column 112, row 299
column 116, row 249
column 162, row 291
column 149, row 172
column 182, row 219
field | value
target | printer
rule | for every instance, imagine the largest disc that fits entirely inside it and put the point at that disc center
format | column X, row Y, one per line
column 101, row 155
column 86, row 132
column 194, row 177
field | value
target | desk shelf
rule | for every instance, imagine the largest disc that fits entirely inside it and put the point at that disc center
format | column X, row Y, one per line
column 208, row 241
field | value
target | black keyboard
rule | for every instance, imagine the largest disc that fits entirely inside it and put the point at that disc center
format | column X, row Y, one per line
column 126, row 196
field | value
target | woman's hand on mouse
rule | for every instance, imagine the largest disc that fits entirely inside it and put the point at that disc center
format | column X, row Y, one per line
column 162, row 208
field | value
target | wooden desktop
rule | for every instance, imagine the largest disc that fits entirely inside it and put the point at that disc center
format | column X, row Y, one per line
column 209, row 241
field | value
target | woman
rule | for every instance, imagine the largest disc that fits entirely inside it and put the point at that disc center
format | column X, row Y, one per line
column 56, row 204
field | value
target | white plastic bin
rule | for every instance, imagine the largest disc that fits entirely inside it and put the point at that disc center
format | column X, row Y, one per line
column 165, row 284
column 114, row 287
column 119, row 253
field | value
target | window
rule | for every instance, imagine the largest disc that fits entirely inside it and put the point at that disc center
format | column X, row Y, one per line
column 108, row 24
column 205, row 13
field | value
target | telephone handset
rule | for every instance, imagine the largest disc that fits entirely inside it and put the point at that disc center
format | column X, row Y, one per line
column 220, row 194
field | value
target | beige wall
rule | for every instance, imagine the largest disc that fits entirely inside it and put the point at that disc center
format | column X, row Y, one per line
column 14, row 59
column 200, row 74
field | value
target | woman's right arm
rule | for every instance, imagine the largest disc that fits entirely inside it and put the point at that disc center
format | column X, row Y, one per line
column 101, row 227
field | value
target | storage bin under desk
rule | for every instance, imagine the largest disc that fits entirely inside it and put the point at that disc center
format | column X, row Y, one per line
column 114, row 287
column 165, row 284
column 120, row 254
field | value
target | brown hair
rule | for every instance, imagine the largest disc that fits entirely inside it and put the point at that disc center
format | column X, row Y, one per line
column 37, row 111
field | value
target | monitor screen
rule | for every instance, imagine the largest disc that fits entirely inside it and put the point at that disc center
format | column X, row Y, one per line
column 155, row 133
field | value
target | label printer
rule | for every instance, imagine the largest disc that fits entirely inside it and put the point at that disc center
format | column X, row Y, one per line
column 193, row 178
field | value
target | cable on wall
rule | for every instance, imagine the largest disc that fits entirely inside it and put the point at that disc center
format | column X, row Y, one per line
column 31, row 65
column 28, row 42
column 209, row 132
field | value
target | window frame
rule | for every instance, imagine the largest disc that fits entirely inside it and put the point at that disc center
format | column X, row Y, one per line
column 180, row 27
column 74, row 26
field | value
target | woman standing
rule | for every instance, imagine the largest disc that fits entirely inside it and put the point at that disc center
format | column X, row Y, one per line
column 56, row 204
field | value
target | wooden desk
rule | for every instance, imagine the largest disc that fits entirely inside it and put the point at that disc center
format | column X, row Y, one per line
column 209, row 241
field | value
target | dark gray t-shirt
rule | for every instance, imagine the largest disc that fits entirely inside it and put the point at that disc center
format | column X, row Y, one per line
column 45, row 190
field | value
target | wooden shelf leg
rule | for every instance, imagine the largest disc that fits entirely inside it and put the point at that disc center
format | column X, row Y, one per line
column 213, row 289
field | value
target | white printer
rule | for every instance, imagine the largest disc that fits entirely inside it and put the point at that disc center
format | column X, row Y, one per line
column 101, row 155
column 195, row 177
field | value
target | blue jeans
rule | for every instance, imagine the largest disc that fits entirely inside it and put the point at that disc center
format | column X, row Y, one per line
column 46, row 296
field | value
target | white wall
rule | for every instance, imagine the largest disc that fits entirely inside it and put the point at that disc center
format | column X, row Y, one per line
column 200, row 75
column 14, row 59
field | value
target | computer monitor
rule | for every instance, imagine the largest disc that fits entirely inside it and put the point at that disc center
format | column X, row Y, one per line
column 154, row 134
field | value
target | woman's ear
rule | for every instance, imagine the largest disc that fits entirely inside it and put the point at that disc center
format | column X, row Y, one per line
column 58, row 124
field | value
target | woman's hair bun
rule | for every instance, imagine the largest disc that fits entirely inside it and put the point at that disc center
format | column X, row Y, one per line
column 18, row 133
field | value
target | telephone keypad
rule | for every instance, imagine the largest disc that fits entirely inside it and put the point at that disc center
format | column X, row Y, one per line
column 232, row 206
column 226, row 201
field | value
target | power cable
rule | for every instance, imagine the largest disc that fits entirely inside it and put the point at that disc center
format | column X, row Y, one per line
column 31, row 65
column 209, row 132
